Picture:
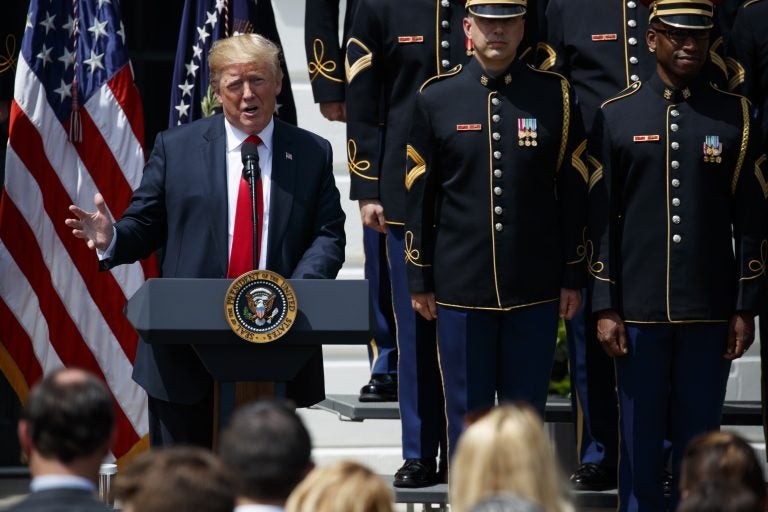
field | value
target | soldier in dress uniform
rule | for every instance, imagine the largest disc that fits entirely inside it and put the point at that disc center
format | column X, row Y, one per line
column 676, row 174
column 497, row 187
column 325, row 62
column 749, row 50
column 600, row 54
column 394, row 46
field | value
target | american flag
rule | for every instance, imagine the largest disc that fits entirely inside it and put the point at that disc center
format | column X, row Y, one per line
column 202, row 23
column 76, row 128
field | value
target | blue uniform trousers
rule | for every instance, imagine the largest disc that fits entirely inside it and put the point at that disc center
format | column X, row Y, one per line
column 382, row 350
column 488, row 353
column 671, row 382
column 593, row 391
column 422, row 410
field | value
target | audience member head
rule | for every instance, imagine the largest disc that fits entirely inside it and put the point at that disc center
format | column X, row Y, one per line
column 176, row 479
column 268, row 449
column 67, row 424
column 506, row 502
column 344, row 486
column 720, row 496
column 506, row 451
column 246, row 79
column 721, row 456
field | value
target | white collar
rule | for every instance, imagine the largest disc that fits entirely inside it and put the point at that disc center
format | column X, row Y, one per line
column 46, row 482
column 235, row 136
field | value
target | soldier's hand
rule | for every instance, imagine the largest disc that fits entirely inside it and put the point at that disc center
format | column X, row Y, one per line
column 741, row 334
column 424, row 304
column 611, row 333
column 570, row 301
column 334, row 110
column 372, row 214
column 94, row 227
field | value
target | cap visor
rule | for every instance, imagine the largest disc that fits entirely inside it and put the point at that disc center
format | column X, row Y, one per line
column 497, row 11
column 691, row 21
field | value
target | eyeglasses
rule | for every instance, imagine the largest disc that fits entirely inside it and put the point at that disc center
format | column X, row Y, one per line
column 678, row 36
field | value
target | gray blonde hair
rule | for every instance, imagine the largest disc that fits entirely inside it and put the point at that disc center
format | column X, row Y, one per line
column 344, row 486
column 507, row 451
column 242, row 49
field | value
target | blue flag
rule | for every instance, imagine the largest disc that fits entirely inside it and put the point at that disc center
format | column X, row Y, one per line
column 206, row 21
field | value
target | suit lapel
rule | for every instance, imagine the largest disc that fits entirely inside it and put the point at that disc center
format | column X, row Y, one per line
column 214, row 171
column 281, row 192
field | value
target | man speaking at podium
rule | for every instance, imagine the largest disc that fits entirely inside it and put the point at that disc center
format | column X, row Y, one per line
column 195, row 205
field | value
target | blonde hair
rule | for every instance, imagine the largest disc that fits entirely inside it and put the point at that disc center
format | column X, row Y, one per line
column 242, row 49
column 507, row 451
column 344, row 486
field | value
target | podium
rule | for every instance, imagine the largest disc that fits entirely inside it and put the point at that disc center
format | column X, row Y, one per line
column 191, row 312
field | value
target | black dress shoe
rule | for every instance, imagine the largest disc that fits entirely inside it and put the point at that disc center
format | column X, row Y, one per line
column 593, row 477
column 381, row 388
column 416, row 473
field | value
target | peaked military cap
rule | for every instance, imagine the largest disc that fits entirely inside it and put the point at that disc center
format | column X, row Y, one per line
column 496, row 8
column 691, row 14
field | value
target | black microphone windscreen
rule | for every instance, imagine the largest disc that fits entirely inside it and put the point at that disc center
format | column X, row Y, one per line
column 249, row 151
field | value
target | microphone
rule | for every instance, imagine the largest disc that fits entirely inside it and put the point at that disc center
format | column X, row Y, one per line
column 250, row 156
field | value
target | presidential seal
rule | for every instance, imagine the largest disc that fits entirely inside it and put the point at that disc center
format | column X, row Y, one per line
column 260, row 306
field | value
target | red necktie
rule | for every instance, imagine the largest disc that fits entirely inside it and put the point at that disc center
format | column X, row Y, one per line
column 241, row 258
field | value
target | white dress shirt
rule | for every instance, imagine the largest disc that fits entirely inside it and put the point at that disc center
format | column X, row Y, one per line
column 235, row 139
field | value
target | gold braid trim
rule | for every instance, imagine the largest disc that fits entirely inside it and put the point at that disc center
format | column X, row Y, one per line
column 717, row 60
column 319, row 67
column 744, row 143
column 759, row 175
column 551, row 56
column 566, row 122
column 419, row 168
column 578, row 163
column 366, row 61
column 738, row 74
column 581, row 250
column 412, row 255
column 355, row 166
column 8, row 61
column 757, row 267
column 597, row 174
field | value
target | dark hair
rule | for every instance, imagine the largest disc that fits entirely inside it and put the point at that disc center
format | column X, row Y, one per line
column 268, row 448
column 721, row 456
column 176, row 479
column 720, row 496
column 69, row 418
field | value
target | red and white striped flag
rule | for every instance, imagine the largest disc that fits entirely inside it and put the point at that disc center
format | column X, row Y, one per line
column 76, row 128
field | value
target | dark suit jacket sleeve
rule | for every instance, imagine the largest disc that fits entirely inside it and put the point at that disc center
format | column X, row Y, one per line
column 325, row 57
column 142, row 228
column 365, row 61
column 325, row 255
column 551, row 50
column 604, row 194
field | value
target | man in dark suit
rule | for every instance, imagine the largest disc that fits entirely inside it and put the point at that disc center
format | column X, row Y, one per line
column 66, row 430
column 188, row 204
